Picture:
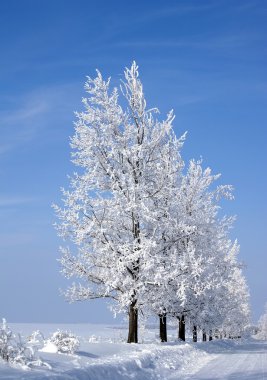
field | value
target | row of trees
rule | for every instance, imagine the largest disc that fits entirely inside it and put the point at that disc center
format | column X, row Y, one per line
column 144, row 230
column 262, row 325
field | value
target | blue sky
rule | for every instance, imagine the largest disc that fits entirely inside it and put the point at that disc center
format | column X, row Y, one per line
column 205, row 59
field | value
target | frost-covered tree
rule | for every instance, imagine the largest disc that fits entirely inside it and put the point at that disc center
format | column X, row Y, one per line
column 114, row 210
column 262, row 325
column 212, row 262
column 188, row 265
column 140, row 230
column 164, row 265
column 234, row 306
column 194, row 270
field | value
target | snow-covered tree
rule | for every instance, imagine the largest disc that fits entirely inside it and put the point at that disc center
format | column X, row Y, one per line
column 262, row 325
column 234, row 306
column 196, row 266
column 140, row 230
column 212, row 264
column 113, row 213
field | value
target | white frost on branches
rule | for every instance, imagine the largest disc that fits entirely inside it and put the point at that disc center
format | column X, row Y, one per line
column 262, row 325
column 64, row 342
column 17, row 352
column 142, row 231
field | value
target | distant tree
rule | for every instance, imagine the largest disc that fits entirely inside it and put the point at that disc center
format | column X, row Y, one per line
column 262, row 325
column 196, row 273
column 113, row 213
column 235, row 303
column 201, row 253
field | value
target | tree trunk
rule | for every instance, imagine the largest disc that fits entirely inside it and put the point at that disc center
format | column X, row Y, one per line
column 210, row 335
column 204, row 336
column 133, row 324
column 181, row 331
column 194, row 333
column 136, row 326
column 163, row 327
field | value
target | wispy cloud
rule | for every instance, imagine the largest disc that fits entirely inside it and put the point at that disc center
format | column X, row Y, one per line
column 18, row 124
column 182, row 8
column 205, row 42
column 253, row 5
column 6, row 147
column 34, row 114
column 15, row 201
column 29, row 111
column 16, row 239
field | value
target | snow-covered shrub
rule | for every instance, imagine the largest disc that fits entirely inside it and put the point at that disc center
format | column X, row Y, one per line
column 65, row 341
column 12, row 348
column 36, row 340
column 93, row 339
column 15, row 351
column 6, row 341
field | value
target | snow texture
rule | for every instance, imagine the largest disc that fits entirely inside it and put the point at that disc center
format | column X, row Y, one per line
column 103, row 355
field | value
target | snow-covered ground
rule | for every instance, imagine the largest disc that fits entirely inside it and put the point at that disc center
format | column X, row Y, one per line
column 104, row 355
column 245, row 360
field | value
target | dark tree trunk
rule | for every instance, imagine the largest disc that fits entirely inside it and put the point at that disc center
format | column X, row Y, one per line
column 163, row 327
column 136, row 326
column 133, row 324
column 194, row 333
column 210, row 335
column 181, row 331
column 204, row 336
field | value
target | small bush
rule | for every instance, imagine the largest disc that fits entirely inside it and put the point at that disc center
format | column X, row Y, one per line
column 7, row 343
column 16, row 352
column 36, row 339
column 65, row 341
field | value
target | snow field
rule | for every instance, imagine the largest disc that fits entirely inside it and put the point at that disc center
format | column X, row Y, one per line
column 104, row 355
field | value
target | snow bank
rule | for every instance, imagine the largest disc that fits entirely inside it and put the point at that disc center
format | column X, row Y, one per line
column 146, row 363
column 142, row 362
